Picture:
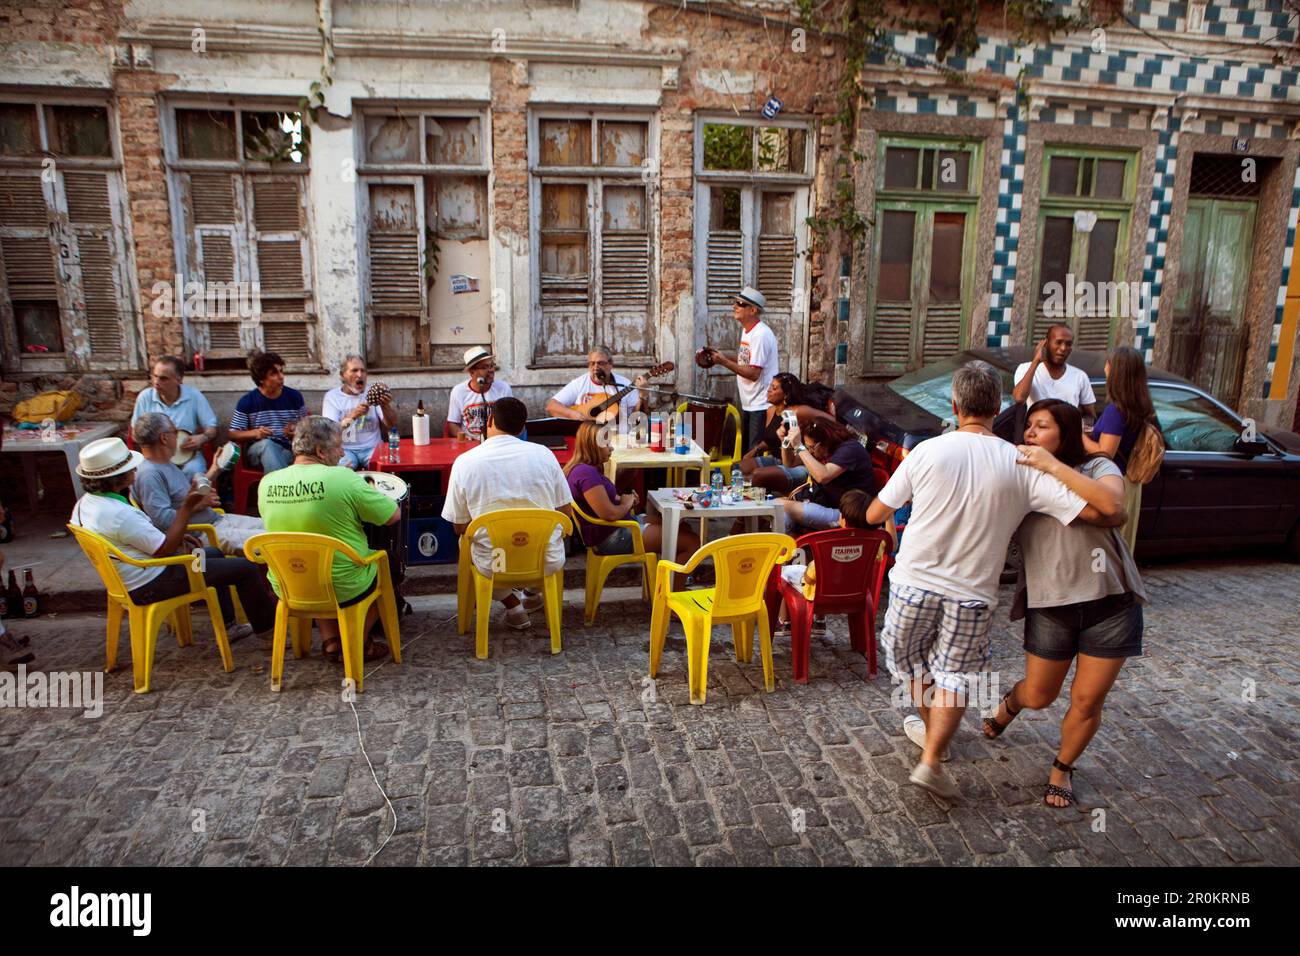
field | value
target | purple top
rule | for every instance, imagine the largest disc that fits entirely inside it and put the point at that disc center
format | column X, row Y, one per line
column 1111, row 422
column 581, row 479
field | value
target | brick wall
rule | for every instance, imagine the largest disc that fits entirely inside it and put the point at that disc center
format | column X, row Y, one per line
column 82, row 22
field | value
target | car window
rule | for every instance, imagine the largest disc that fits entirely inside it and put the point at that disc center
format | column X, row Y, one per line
column 1191, row 422
column 931, row 388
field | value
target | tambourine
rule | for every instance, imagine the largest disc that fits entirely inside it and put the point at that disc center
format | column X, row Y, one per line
column 183, row 454
column 376, row 393
column 704, row 358
column 227, row 456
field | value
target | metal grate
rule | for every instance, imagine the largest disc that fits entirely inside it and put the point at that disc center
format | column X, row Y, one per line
column 1228, row 177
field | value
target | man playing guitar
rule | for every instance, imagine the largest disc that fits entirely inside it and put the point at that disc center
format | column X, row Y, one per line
column 578, row 399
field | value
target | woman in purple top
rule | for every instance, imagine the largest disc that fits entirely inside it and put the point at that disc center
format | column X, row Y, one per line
column 1128, row 410
column 596, row 495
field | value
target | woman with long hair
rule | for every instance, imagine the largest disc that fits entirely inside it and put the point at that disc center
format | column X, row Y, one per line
column 1128, row 411
column 1080, row 594
column 596, row 495
column 763, row 463
column 836, row 462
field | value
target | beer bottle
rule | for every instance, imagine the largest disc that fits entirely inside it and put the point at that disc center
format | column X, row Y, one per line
column 14, row 597
column 419, row 408
column 31, row 597
column 4, row 603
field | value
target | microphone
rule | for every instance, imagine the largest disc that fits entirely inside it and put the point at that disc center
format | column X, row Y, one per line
column 481, row 382
column 602, row 377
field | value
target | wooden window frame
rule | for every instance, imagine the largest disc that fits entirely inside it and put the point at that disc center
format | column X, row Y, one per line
column 596, row 178
column 74, row 323
column 246, row 265
column 413, row 173
column 1053, row 205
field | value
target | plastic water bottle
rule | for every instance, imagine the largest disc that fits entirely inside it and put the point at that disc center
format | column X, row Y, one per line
column 737, row 483
column 716, row 482
column 394, row 445
column 682, row 446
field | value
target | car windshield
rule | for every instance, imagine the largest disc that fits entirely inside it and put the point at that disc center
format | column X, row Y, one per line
column 931, row 387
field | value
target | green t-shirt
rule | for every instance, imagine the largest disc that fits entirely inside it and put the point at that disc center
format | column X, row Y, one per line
column 331, row 500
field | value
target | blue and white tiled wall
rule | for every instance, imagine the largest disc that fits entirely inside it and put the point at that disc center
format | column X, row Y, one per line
column 1146, row 70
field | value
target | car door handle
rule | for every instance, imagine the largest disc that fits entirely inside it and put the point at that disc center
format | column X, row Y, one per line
column 1184, row 473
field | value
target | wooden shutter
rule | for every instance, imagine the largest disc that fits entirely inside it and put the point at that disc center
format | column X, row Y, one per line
column 941, row 331
column 25, row 247
column 278, row 250
column 891, row 334
column 396, row 288
column 623, row 320
column 564, row 273
column 90, row 215
column 215, row 243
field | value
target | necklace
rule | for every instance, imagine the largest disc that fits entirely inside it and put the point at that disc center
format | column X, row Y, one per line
column 983, row 429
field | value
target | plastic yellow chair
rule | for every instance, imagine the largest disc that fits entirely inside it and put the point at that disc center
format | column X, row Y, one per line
column 519, row 539
column 209, row 531
column 717, row 458
column 742, row 564
column 599, row 565
column 303, row 565
column 145, row 619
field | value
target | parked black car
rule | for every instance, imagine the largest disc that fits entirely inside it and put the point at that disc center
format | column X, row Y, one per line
column 1215, row 489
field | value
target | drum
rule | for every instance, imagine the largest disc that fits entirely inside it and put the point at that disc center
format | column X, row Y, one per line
column 227, row 455
column 391, row 538
column 182, row 455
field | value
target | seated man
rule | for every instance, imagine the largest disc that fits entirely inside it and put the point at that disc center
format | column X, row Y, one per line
column 364, row 426
column 599, row 382
column 471, row 401
column 316, row 495
column 161, row 487
column 266, row 416
column 185, row 406
column 107, row 469
column 505, row 472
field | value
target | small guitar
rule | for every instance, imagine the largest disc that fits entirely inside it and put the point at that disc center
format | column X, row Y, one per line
column 604, row 408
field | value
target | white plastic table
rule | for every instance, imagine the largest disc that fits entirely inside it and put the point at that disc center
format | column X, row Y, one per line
column 73, row 436
column 637, row 456
column 673, row 511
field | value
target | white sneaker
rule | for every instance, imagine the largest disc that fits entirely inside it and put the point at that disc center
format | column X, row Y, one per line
column 517, row 618
column 914, row 727
column 239, row 632
column 533, row 600
column 936, row 781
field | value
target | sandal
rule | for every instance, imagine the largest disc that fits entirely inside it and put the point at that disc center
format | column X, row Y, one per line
column 1054, row 791
column 375, row 650
column 332, row 650
column 994, row 729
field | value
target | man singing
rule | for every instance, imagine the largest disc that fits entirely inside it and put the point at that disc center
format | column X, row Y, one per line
column 471, row 401
column 363, row 425
column 598, row 383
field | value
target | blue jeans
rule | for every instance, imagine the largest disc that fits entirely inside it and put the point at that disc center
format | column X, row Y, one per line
column 358, row 459
column 796, row 475
column 269, row 455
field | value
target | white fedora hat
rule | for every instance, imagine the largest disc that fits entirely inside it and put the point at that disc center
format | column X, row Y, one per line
column 753, row 297
column 106, row 457
column 475, row 354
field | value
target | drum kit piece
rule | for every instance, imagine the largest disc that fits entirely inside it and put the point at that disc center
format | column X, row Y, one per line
column 392, row 538
column 226, row 456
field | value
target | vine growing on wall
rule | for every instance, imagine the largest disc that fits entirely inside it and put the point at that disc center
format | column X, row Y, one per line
column 861, row 29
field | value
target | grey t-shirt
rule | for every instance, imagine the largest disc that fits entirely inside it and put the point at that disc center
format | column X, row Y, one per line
column 1071, row 564
column 160, row 489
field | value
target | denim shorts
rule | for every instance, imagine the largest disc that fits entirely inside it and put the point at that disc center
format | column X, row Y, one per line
column 819, row 517
column 796, row 475
column 620, row 542
column 1107, row 627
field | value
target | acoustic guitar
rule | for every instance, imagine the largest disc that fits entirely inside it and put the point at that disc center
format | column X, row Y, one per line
column 604, row 408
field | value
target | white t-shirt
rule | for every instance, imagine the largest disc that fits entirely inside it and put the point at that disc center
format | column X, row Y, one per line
column 583, row 389
column 126, row 527
column 469, row 409
column 366, row 432
column 968, row 496
column 501, row 473
column 758, row 348
column 1073, row 386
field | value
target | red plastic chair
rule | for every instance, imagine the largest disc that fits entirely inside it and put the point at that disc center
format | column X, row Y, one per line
column 851, row 565
column 246, row 481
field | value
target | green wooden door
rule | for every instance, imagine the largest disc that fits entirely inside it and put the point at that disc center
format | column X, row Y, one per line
column 1209, row 331
column 921, row 284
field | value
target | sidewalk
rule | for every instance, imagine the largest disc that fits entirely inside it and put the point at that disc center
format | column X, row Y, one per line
column 68, row 583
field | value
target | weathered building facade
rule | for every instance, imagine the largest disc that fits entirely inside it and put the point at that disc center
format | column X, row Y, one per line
column 545, row 176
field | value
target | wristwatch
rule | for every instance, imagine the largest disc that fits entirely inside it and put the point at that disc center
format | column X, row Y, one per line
column 801, row 449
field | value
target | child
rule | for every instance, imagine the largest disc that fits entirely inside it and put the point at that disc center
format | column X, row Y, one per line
column 853, row 514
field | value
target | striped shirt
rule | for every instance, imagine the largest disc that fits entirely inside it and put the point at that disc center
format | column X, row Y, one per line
column 255, row 410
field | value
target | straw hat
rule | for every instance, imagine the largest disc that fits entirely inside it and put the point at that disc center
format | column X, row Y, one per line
column 475, row 354
column 106, row 457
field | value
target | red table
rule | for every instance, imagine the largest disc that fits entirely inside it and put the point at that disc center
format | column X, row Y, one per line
column 439, row 455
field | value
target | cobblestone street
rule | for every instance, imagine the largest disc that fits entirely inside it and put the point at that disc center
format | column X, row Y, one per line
column 532, row 759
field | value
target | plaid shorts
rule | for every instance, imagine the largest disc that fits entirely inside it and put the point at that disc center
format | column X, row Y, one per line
column 928, row 633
